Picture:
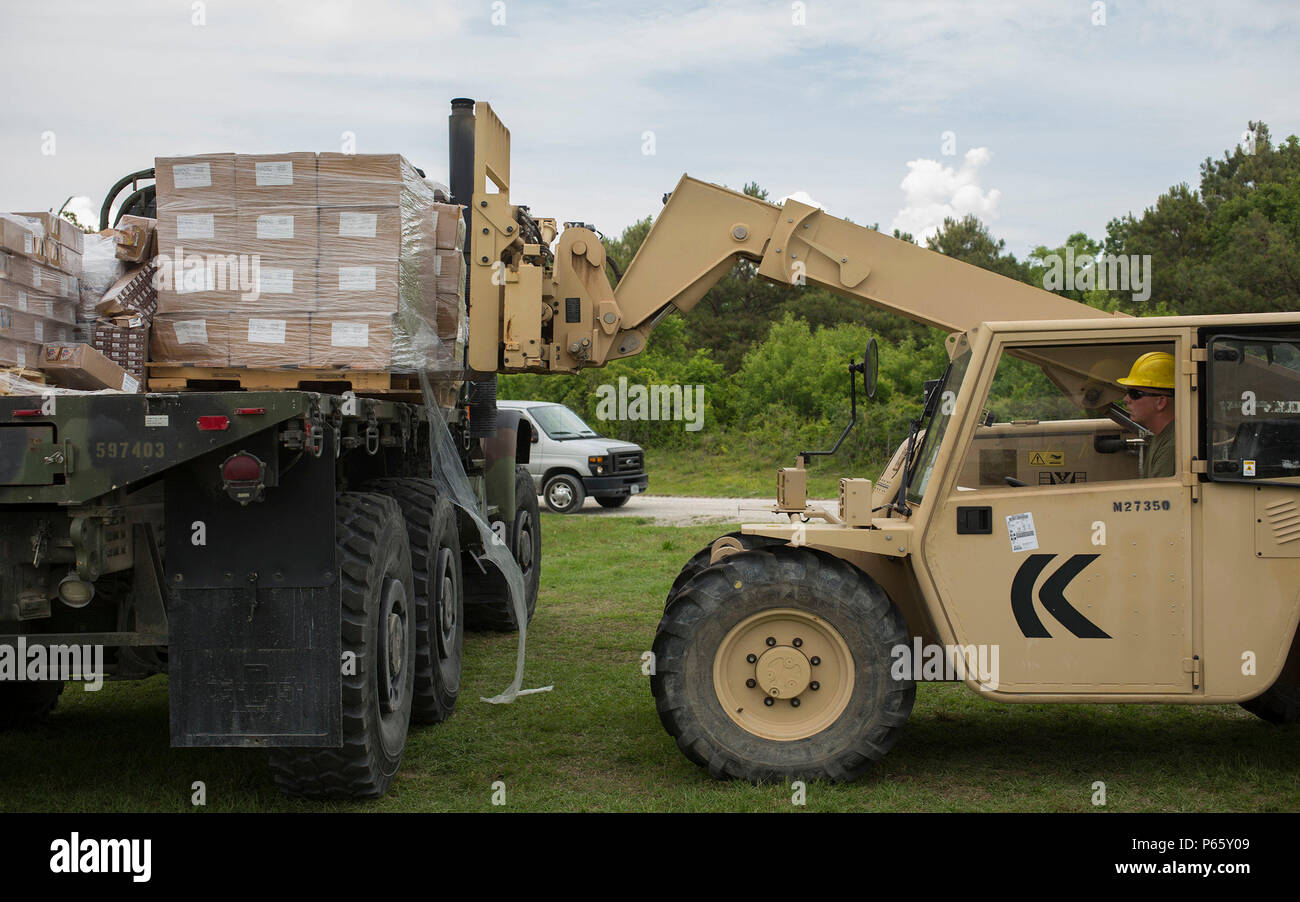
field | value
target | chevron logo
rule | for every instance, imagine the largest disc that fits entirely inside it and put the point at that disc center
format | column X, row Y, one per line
column 1052, row 595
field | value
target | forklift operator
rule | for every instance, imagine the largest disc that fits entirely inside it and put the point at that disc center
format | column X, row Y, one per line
column 1150, row 385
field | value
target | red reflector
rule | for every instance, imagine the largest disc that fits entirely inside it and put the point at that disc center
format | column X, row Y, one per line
column 27, row 413
column 242, row 467
column 249, row 411
column 214, row 424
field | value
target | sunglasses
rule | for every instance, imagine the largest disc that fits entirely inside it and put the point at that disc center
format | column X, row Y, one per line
column 1133, row 394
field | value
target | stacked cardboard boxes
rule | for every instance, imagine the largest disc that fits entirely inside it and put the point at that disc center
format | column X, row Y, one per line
column 40, row 260
column 305, row 260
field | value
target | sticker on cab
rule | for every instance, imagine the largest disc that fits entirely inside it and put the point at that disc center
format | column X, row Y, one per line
column 1047, row 458
column 1020, row 529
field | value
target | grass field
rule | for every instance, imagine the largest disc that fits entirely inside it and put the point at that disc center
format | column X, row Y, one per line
column 595, row 742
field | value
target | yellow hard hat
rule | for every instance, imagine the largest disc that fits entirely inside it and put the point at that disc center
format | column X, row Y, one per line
column 1151, row 370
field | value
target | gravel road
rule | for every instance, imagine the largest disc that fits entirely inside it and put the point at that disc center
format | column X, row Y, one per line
column 678, row 510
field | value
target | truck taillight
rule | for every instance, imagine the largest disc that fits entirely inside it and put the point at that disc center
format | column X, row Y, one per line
column 214, row 423
column 242, row 476
column 28, row 413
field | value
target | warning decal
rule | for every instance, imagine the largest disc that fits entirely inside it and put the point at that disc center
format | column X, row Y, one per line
column 1047, row 458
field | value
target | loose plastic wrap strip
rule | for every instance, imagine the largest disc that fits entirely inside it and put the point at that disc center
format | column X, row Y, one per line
column 454, row 485
column 100, row 271
column 309, row 260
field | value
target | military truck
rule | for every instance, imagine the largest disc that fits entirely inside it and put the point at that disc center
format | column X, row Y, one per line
column 300, row 562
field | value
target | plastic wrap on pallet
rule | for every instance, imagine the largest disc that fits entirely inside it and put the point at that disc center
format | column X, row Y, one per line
column 15, row 382
column 303, row 260
column 100, row 271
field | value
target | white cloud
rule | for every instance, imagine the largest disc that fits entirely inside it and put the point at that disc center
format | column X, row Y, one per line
column 933, row 191
column 86, row 211
column 802, row 197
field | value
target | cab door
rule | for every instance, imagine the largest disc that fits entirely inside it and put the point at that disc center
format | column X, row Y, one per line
column 1082, row 580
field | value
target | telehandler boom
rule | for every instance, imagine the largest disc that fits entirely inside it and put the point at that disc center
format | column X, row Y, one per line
column 1039, row 558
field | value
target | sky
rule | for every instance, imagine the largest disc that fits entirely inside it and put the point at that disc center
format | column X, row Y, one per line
column 1042, row 118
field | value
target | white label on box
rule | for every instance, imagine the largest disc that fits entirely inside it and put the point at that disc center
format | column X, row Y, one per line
column 192, row 175
column 20, row 356
column 356, row 278
column 38, row 329
column 266, row 331
column 275, row 281
column 1020, row 527
column 29, row 244
column 195, row 225
column 358, row 225
column 22, row 300
column 156, row 419
column 278, row 172
column 275, row 226
column 349, row 335
column 129, row 383
column 49, row 309
column 36, row 277
column 196, row 278
column 191, row 331
column 437, row 264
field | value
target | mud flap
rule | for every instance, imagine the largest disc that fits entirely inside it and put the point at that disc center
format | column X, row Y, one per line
column 256, row 669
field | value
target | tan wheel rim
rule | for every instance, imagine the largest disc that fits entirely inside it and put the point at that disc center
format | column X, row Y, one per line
column 792, row 657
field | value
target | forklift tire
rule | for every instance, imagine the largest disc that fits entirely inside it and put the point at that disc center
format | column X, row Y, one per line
column 701, row 559
column 1280, row 703
column 378, row 632
column 775, row 665
column 431, row 528
column 22, row 704
column 487, row 599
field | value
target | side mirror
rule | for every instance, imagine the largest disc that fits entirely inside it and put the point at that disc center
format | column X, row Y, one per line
column 870, row 368
column 532, row 436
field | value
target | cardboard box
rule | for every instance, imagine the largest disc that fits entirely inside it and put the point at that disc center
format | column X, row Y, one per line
column 61, row 230
column 16, row 325
column 135, row 293
column 32, row 275
column 22, row 235
column 275, row 179
column 19, row 353
column 196, row 231
column 62, row 258
column 270, row 340
column 348, row 285
column 135, row 238
column 234, row 283
column 124, row 341
column 20, row 298
column 356, row 341
column 361, row 233
column 449, row 272
column 284, row 232
column 350, row 179
column 82, row 367
column 449, row 227
column 200, row 182
column 191, row 339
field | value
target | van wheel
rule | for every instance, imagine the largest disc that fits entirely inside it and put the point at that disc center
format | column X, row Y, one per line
column 378, row 626
column 431, row 528
column 614, row 502
column 775, row 665
column 564, row 493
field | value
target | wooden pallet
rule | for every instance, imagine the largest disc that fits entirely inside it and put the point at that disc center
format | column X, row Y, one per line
column 165, row 377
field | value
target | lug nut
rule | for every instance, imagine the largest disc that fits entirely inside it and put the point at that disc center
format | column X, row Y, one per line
column 815, row 660
column 794, row 703
column 768, row 701
column 751, row 683
column 797, row 643
column 814, row 685
column 770, row 641
column 753, row 659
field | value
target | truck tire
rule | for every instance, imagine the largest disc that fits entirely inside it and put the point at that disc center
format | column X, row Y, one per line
column 378, row 627
column 564, row 493
column 434, row 538
column 22, row 704
column 820, row 702
column 1280, row 703
column 701, row 559
column 487, row 600
column 617, row 501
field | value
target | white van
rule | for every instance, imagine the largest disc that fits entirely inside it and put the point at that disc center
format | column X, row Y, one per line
column 569, row 461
